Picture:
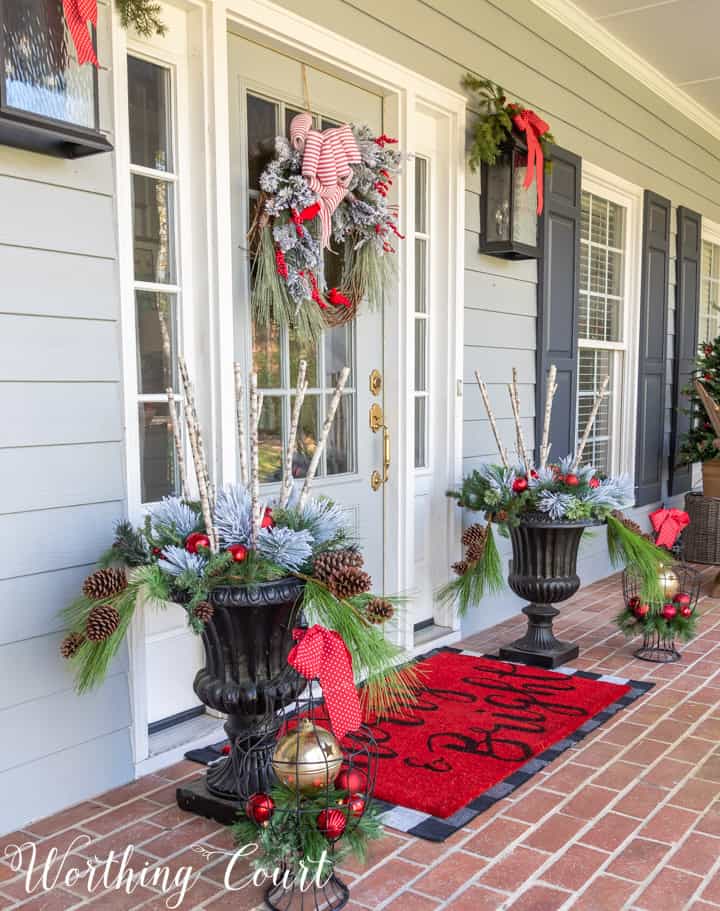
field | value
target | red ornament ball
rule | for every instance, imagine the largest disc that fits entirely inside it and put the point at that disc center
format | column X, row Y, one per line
column 260, row 808
column 707, row 376
column 195, row 540
column 239, row 552
column 267, row 519
column 682, row 598
column 669, row 612
column 356, row 805
column 572, row 480
column 686, row 611
column 594, row 483
column 533, row 474
column 157, row 551
column 331, row 823
column 350, row 780
column 633, row 602
column 641, row 611
column 520, row 485
column 708, row 349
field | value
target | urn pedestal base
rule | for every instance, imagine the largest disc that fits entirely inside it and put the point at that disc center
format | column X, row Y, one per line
column 539, row 647
column 196, row 798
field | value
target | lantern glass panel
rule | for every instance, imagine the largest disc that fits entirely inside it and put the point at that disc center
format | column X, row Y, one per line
column 41, row 75
column 524, row 216
column 498, row 189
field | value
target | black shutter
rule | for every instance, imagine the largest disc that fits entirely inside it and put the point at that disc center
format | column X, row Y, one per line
column 558, row 284
column 652, row 354
column 687, row 307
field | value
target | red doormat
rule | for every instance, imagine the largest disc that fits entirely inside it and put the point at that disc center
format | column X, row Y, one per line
column 479, row 729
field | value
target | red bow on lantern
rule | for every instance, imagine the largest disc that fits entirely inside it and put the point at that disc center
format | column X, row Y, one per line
column 77, row 15
column 533, row 127
column 668, row 523
column 321, row 653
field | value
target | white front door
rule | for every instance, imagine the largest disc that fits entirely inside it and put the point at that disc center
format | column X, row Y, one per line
column 267, row 89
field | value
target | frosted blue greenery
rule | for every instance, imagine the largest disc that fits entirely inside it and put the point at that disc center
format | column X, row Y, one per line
column 556, row 505
column 233, row 515
column 285, row 547
column 173, row 518
column 176, row 560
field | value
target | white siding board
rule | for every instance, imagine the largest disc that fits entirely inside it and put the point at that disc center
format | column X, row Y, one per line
column 494, row 364
column 55, row 218
column 523, row 270
column 36, row 789
column 41, row 348
column 500, row 330
column 41, row 414
column 499, row 294
column 57, row 284
column 37, row 542
column 478, row 439
column 93, row 173
column 474, row 410
column 472, row 211
column 37, row 601
column 90, row 473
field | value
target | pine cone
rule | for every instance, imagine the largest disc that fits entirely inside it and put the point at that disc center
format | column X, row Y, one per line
column 70, row 644
column 333, row 561
column 204, row 611
column 379, row 610
column 461, row 567
column 628, row 523
column 102, row 622
column 473, row 535
column 104, row 583
column 348, row 582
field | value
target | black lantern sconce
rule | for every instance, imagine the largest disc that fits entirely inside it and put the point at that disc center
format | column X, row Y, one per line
column 48, row 103
column 508, row 211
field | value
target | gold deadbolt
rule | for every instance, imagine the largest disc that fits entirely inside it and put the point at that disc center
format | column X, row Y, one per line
column 376, row 382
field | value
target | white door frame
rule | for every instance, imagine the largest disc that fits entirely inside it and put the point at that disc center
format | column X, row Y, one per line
column 403, row 90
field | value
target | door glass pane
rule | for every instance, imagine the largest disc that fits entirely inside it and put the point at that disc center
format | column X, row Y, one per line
column 40, row 66
column 420, row 275
column 303, row 351
column 420, row 355
column 340, row 449
column 262, row 125
column 157, row 452
column 153, row 230
column 338, row 353
column 266, row 356
column 271, row 439
column 149, row 102
column 421, row 179
column 289, row 114
column 307, row 435
column 156, row 341
column 420, row 431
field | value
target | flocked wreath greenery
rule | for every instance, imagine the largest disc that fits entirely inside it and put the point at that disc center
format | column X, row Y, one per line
column 142, row 15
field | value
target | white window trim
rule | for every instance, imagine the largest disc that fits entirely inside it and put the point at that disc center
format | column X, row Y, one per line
column 603, row 183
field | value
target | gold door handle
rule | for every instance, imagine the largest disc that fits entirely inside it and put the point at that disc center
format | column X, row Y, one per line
column 377, row 479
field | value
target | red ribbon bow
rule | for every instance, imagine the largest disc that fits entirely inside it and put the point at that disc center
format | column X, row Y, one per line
column 77, row 14
column 321, row 653
column 668, row 523
column 533, row 127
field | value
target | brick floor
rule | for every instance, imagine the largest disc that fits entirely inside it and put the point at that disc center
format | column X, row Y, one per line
column 627, row 819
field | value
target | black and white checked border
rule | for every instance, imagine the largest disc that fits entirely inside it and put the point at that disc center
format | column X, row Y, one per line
column 433, row 828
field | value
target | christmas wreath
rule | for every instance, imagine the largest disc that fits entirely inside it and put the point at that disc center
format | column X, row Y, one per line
column 565, row 490
column 323, row 188
column 233, row 537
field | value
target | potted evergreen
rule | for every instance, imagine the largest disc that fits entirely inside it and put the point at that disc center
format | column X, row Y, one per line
column 698, row 444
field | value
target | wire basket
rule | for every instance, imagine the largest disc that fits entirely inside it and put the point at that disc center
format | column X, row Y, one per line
column 331, row 781
column 657, row 646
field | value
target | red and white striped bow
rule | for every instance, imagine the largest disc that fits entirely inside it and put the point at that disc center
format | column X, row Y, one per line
column 328, row 157
column 77, row 15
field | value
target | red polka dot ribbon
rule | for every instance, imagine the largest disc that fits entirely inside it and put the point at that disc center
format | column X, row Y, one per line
column 322, row 654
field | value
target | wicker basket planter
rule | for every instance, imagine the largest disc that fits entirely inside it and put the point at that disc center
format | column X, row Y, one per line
column 701, row 540
column 711, row 478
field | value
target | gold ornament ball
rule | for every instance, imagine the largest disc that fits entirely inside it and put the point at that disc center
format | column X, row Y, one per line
column 307, row 759
column 669, row 582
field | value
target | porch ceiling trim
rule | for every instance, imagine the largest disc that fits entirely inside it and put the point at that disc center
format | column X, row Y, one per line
column 596, row 35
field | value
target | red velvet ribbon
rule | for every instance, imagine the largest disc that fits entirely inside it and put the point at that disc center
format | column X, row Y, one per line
column 533, row 127
column 77, row 15
column 322, row 654
column 668, row 523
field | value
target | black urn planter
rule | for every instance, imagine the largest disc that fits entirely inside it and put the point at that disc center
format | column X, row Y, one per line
column 543, row 570
column 247, row 677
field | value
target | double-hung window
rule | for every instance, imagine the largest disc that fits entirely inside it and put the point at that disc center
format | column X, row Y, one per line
column 709, row 327
column 602, row 338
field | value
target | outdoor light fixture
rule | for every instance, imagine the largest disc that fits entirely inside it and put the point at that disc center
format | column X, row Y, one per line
column 508, row 211
column 48, row 103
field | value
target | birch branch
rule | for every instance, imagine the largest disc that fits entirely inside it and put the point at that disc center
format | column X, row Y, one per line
column 198, row 451
column 240, row 420
column 254, row 459
column 515, row 402
column 590, row 421
column 300, row 391
column 177, row 438
column 709, row 404
column 322, row 442
column 549, row 396
column 491, row 418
